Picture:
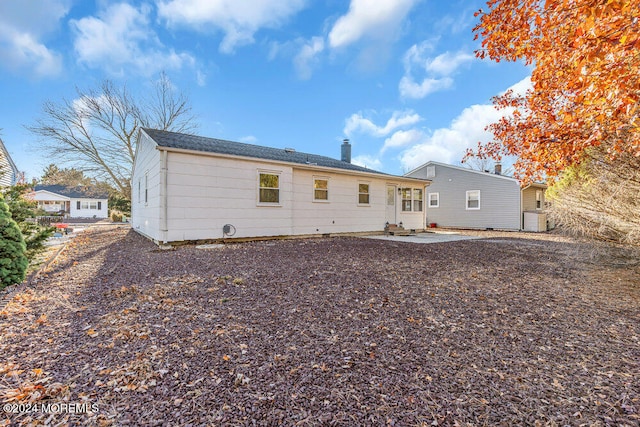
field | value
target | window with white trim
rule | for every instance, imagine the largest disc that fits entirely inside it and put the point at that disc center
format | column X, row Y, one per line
column 434, row 200
column 473, row 199
column 321, row 189
column 146, row 188
column 538, row 199
column 89, row 205
column 417, row 199
column 363, row 193
column 268, row 188
column 411, row 199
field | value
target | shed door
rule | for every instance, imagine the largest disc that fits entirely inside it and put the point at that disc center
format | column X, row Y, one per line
column 390, row 213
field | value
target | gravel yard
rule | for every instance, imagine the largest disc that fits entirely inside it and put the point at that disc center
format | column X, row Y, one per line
column 509, row 329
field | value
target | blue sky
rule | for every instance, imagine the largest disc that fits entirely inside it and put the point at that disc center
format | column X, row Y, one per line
column 397, row 77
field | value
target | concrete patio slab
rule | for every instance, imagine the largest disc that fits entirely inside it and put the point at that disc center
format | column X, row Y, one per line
column 428, row 237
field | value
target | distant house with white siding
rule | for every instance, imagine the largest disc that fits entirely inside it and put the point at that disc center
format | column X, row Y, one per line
column 72, row 202
column 8, row 171
column 187, row 187
column 464, row 198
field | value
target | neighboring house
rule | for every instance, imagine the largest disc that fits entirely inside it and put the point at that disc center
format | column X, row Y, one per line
column 8, row 171
column 72, row 202
column 464, row 198
column 187, row 187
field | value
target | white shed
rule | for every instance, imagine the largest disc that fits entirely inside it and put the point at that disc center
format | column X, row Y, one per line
column 188, row 187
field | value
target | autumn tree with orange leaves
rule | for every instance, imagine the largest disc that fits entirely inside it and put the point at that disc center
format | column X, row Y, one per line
column 586, row 81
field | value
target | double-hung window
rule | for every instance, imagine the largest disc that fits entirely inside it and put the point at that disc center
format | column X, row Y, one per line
column 363, row 193
column 411, row 199
column 538, row 199
column 417, row 200
column 473, row 200
column 434, row 200
column 269, row 188
column 320, row 189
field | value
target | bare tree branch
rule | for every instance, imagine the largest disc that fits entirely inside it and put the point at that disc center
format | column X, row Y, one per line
column 96, row 132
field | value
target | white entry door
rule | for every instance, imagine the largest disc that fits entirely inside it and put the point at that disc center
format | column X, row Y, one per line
column 391, row 204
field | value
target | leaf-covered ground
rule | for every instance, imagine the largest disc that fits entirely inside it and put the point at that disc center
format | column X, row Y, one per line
column 335, row 331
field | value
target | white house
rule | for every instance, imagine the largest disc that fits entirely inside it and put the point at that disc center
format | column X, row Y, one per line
column 9, row 173
column 464, row 198
column 187, row 187
column 72, row 202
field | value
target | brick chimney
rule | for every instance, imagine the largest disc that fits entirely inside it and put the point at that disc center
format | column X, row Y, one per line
column 498, row 169
column 346, row 151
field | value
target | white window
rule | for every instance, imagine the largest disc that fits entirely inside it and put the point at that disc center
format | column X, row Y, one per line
column 538, row 199
column 363, row 193
column 146, row 188
column 89, row 205
column 269, row 188
column 139, row 190
column 434, row 200
column 411, row 199
column 417, row 200
column 473, row 199
column 321, row 189
column 431, row 171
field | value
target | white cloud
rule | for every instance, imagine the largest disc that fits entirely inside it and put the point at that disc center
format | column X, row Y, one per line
column 121, row 38
column 378, row 19
column 23, row 25
column 521, row 87
column 358, row 123
column 249, row 139
column 306, row 58
column 447, row 63
column 409, row 88
column 371, row 162
column 402, row 138
column 465, row 131
column 238, row 19
column 436, row 72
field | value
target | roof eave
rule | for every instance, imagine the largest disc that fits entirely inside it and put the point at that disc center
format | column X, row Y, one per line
column 291, row 164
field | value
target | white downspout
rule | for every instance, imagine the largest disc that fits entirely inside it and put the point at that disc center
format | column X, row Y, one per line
column 163, row 195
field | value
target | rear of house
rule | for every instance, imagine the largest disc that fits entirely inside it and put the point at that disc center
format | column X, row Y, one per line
column 465, row 198
column 188, row 187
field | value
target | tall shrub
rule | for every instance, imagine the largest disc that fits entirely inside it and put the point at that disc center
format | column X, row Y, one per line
column 23, row 212
column 13, row 258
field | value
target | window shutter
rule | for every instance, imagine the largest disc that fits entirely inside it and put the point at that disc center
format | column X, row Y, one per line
column 78, row 205
column 99, row 206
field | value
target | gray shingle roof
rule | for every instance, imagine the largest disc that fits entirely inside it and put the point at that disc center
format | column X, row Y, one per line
column 73, row 192
column 220, row 146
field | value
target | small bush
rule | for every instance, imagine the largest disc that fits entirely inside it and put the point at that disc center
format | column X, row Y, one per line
column 13, row 258
column 116, row 216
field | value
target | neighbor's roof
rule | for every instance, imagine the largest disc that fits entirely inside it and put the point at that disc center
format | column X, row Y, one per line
column 72, row 192
column 220, row 146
